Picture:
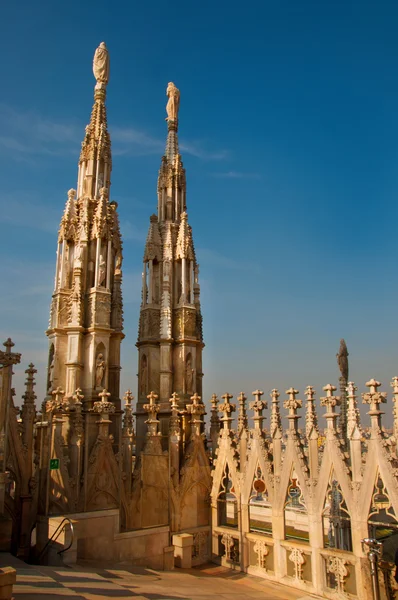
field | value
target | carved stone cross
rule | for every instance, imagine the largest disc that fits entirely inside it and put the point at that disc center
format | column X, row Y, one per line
column 57, row 404
column 374, row 398
column 128, row 398
column 174, row 401
column 196, row 409
column 330, row 402
column 78, row 396
column 8, row 358
column 103, row 406
column 152, row 409
column 214, row 402
column 292, row 404
column 227, row 408
column 8, row 344
column 258, row 406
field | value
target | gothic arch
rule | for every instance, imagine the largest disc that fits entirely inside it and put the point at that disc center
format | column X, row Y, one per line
column 333, row 464
column 257, row 458
column 143, row 375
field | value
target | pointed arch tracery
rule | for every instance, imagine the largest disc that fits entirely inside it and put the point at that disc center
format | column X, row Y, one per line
column 336, row 518
column 227, row 504
column 295, row 511
column 260, row 509
column 382, row 520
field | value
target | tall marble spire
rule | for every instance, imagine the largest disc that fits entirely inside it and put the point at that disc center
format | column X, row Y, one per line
column 86, row 323
column 170, row 337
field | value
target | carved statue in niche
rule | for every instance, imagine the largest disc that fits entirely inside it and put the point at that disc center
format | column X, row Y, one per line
column 179, row 294
column 101, row 271
column 173, row 104
column 189, row 375
column 75, row 310
column 51, row 369
column 99, row 371
column 118, row 265
column 156, row 288
column 196, row 274
column 143, row 376
column 78, row 255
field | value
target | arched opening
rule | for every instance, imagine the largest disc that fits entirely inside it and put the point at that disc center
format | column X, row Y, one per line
column 189, row 375
column 50, row 372
column 100, row 366
column 227, row 504
column 382, row 520
column 144, row 375
column 260, row 510
column 295, row 513
column 336, row 518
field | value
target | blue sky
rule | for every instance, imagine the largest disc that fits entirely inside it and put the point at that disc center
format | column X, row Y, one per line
column 289, row 135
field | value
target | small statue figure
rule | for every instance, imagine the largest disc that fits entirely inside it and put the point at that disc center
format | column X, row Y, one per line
column 118, row 265
column 174, row 102
column 101, row 271
column 342, row 360
column 196, row 274
column 144, row 375
column 51, row 374
column 189, row 376
column 99, row 370
column 78, row 255
column 101, row 64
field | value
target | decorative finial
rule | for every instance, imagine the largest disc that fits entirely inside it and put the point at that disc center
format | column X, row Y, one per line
column 342, row 360
column 173, row 104
column 101, row 65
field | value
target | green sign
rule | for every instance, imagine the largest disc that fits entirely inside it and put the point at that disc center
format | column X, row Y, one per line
column 54, row 464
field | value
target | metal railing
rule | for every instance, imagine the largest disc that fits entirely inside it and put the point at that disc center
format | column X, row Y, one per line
column 55, row 536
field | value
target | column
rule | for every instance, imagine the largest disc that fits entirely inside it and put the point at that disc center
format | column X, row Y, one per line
column 97, row 261
column 144, row 285
column 191, row 270
column 96, row 178
column 150, row 282
column 82, row 176
column 183, row 279
column 78, row 180
column 61, row 279
column 57, row 269
column 108, row 265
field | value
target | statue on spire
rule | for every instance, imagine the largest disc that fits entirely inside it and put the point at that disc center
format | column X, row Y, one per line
column 101, row 64
column 342, row 360
column 173, row 104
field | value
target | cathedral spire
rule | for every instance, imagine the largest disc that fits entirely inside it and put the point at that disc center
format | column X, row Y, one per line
column 95, row 161
column 171, row 180
column 86, row 320
column 170, row 329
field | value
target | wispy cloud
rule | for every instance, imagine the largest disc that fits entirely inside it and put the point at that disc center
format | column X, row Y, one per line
column 28, row 136
column 26, row 210
column 131, row 232
column 237, row 175
column 216, row 259
column 129, row 140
